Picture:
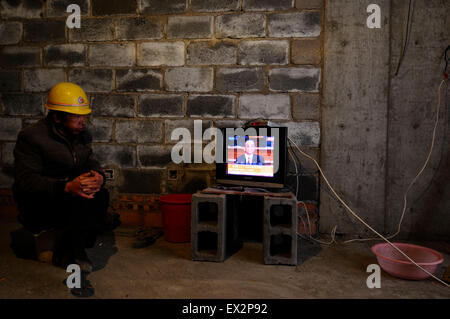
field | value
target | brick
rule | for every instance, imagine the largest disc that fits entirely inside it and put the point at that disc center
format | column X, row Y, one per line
column 309, row 4
column 153, row 219
column 263, row 52
column 306, row 51
column 141, row 181
column 10, row 32
column 110, row 7
column 44, row 30
column 190, row 27
column 93, row 30
column 208, row 52
column 304, row 133
column 299, row 24
column 161, row 105
column 65, row 55
column 139, row 80
column 240, row 79
column 151, row 7
column 272, row 106
column 20, row 56
column 267, row 5
column 221, row 106
column 138, row 131
column 189, row 79
column 112, row 54
column 229, row 123
column 100, row 129
column 9, row 128
column 115, row 155
column 29, row 121
column 141, row 28
column 117, row 105
column 215, row 5
column 171, row 125
column 93, row 80
column 305, row 106
column 10, row 81
column 241, row 25
column 22, row 104
column 7, row 153
column 58, row 8
column 295, row 79
column 154, row 156
column 161, row 53
column 305, row 228
column 21, row 9
column 42, row 80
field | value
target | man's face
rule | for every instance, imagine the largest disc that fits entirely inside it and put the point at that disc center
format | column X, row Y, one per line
column 74, row 124
column 249, row 147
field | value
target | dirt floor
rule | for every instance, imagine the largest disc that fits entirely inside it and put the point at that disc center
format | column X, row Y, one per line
column 165, row 270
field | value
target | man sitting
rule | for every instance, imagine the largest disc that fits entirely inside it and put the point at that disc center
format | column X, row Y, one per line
column 249, row 158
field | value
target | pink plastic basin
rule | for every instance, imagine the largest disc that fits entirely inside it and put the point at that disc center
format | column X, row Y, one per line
column 397, row 265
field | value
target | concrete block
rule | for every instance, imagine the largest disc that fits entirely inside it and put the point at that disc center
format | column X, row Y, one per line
column 154, row 156
column 215, row 5
column 240, row 79
column 20, row 56
column 29, row 121
column 220, row 106
column 44, row 30
column 10, row 80
column 190, row 27
column 267, row 5
column 21, row 9
column 263, row 52
column 141, row 28
column 295, row 79
column 139, row 80
column 189, row 79
column 141, row 181
column 93, row 80
column 100, row 129
column 208, row 53
column 161, row 105
column 65, row 55
column 161, row 53
column 304, row 133
column 112, row 7
column 10, row 32
column 271, row 106
column 112, row 54
column 42, row 80
column 150, row 7
column 299, row 24
column 305, row 106
column 22, row 104
column 58, row 8
column 306, row 51
column 111, row 155
column 7, row 153
column 9, row 128
column 280, row 231
column 93, row 30
column 309, row 4
column 229, row 123
column 116, row 105
column 139, row 131
column 171, row 125
column 241, row 25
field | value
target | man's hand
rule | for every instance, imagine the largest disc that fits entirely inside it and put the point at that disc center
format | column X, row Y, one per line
column 85, row 185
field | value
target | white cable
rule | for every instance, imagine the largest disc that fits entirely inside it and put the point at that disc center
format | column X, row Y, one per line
column 362, row 221
column 333, row 231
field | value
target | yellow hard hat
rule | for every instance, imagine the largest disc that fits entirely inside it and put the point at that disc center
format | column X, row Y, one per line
column 68, row 97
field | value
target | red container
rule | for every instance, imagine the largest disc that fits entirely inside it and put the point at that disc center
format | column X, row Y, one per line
column 176, row 211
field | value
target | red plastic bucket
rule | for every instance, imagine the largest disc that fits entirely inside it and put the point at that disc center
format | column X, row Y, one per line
column 176, row 212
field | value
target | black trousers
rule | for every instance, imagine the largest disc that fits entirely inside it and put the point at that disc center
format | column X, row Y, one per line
column 78, row 220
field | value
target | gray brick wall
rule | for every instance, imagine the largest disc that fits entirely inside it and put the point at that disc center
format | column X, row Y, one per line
column 150, row 66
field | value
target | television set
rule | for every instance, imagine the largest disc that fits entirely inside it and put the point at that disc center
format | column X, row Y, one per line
column 252, row 156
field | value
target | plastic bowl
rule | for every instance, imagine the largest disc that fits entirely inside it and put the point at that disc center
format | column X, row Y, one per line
column 395, row 264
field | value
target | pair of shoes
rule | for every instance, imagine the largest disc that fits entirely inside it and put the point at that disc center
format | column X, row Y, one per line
column 146, row 237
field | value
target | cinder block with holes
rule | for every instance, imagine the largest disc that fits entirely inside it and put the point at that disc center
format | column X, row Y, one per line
column 280, row 231
column 214, row 228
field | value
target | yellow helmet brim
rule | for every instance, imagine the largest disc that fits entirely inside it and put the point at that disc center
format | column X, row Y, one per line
column 79, row 110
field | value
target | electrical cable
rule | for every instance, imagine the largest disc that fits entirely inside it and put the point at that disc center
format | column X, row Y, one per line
column 362, row 221
column 407, row 33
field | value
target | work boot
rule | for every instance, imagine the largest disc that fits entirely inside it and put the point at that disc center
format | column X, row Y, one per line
column 45, row 243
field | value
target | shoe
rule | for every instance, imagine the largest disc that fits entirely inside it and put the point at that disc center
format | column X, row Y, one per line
column 45, row 243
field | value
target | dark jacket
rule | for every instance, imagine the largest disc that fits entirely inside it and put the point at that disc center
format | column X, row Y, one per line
column 256, row 160
column 45, row 160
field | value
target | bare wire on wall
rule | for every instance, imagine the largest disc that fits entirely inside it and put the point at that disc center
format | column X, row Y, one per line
column 407, row 33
